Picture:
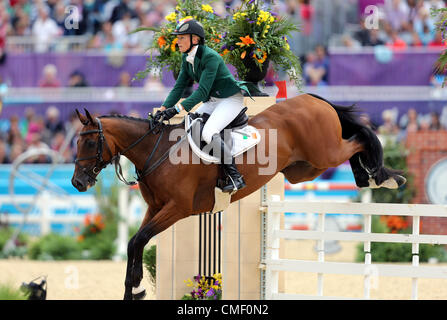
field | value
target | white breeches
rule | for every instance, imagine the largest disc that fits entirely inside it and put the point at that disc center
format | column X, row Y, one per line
column 222, row 111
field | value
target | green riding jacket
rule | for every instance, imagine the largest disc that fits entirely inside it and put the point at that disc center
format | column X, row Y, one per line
column 213, row 76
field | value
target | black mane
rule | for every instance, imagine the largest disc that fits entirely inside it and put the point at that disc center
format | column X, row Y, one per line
column 150, row 122
column 120, row 116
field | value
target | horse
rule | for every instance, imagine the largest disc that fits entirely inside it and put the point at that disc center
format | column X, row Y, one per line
column 312, row 135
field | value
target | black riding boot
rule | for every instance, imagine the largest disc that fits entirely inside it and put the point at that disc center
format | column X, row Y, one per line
column 234, row 180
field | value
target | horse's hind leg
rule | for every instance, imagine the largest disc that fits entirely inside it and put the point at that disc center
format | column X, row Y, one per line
column 360, row 175
column 300, row 171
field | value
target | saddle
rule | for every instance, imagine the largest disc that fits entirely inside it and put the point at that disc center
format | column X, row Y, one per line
column 242, row 138
column 238, row 135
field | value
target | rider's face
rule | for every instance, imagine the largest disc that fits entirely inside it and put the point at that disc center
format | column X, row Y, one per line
column 184, row 41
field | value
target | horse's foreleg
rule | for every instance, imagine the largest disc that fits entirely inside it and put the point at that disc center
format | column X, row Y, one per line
column 130, row 257
column 165, row 218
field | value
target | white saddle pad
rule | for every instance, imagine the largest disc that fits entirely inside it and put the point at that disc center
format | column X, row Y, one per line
column 243, row 139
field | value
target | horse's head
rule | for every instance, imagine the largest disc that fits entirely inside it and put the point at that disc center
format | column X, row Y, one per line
column 90, row 157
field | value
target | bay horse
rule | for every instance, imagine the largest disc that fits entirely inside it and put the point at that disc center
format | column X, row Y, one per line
column 312, row 135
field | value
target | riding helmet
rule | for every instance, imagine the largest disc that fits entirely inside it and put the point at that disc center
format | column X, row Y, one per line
column 190, row 26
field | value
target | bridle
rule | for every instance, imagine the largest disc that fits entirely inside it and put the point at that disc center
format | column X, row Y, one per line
column 100, row 164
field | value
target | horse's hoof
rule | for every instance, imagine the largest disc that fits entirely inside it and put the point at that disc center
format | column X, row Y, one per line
column 138, row 293
column 400, row 180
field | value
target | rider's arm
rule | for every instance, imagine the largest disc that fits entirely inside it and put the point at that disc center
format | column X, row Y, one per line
column 206, row 81
column 176, row 92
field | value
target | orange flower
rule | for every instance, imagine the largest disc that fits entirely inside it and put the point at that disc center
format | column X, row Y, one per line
column 173, row 44
column 80, row 238
column 243, row 54
column 246, row 41
column 87, row 220
column 161, row 41
column 264, row 56
column 225, row 52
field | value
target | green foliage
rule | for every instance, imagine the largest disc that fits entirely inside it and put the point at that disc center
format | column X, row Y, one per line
column 8, row 292
column 100, row 246
column 21, row 241
column 397, row 252
column 55, row 247
column 163, row 50
column 150, row 262
column 265, row 35
column 440, row 15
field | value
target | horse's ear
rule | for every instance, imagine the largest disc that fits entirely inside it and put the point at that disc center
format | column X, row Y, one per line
column 89, row 117
column 82, row 118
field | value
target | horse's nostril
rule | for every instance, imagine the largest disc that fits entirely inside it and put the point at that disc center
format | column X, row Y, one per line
column 77, row 183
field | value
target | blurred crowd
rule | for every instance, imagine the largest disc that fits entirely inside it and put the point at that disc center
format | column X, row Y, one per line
column 397, row 128
column 34, row 131
column 399, row 24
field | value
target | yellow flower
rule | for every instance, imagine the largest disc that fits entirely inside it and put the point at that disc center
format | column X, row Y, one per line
column 171, row 17
column 207, row 8
column 174, row 42
column 188, row 17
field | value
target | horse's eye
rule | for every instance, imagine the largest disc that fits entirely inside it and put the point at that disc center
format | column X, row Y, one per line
column 90, row 143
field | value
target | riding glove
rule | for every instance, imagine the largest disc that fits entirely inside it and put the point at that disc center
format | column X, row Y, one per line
column 169, row 113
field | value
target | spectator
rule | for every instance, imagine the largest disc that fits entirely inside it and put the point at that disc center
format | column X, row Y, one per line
column 424, row 26
column 14, row 136
column 349, row 42
column 44, row 30
column 362, row 35
column 322, row 61
column 53, row 124
column 105, row 38
column 3, row 153
column 435, row 123
column 438, row 41
column 35, row 142
column 77, row 79
column 396, row 12
column 56, row 144
column 121, row 29
column 413, row 125
column 374, row 39
column 125, row 80
column 120, row 10
column 396, row 43
column 4, row 29
column 313, row 72
column 16, row 150
column 49, row 77
column 389, row 126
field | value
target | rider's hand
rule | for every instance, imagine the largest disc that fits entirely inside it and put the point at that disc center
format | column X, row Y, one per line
column 162, row 108
column 169, row 113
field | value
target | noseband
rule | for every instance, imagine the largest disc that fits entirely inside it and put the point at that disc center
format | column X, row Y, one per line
column 100, row 164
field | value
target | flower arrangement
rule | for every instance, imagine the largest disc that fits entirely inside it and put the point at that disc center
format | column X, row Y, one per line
column 163, row 50
column 92, row 225
column 205, row 289
column 441, row 25
column 258, row 36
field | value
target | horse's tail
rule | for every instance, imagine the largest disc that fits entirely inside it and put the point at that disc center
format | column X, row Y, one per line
column 368, row 163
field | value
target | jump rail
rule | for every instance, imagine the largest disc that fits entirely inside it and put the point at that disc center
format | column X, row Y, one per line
column 272, row 264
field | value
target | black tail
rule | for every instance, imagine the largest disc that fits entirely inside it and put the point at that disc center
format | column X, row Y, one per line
column 368, row 163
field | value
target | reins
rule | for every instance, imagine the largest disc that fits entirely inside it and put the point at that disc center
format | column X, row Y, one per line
column 100, row 164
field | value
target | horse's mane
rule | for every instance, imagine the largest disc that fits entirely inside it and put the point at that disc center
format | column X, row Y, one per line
column 150, row 122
